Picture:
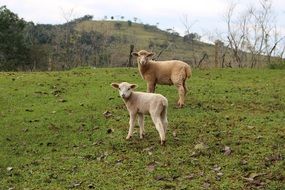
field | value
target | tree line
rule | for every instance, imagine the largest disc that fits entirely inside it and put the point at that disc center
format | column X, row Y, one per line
column 26, row 46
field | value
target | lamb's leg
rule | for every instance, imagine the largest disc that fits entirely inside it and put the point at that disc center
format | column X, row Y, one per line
column 151, row 87
column 159, row 127
column 181, row 92
column 141, row 124
column 164, row 120
column 132, row 125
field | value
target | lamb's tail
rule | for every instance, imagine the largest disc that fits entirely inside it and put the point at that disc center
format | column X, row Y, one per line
column 165, row 103
column 188, row 71
column 164, row 109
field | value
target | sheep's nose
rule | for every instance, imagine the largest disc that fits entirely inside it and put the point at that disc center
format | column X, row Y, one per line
column 123, row 95
column 142, row 61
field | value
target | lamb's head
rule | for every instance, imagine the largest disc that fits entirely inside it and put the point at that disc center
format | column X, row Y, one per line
column 125, row 89
column 143, row 56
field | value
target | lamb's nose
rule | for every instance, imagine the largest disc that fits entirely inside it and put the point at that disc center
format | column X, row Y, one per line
column 123, row 95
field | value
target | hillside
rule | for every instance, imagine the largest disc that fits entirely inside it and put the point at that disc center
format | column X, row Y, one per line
column 150, row 38
column 54, row 134
column 84, row 42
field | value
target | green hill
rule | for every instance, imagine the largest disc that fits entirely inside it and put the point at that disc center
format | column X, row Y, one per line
column 148, row 37
column 107, row 43
column 85, row 42
column 142, row 35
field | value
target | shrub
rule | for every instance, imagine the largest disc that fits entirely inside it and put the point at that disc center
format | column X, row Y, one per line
column 280, row 65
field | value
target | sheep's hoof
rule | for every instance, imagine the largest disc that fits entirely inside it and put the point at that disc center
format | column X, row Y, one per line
column 180, row 105
column 142, row 136
column 128, row 137
column 163, row 143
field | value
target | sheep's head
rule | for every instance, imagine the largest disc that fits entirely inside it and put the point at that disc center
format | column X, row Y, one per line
column 125, row 89
column 143, row 56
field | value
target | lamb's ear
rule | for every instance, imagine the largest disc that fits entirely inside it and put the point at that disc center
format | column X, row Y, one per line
column 133, row 86
column 115, row 85
column 135, row 54
column 150, row 54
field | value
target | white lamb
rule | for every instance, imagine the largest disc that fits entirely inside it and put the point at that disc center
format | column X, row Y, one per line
column 140, row 103
column 172, row 72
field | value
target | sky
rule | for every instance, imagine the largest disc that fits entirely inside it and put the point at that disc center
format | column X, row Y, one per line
column 205, row 16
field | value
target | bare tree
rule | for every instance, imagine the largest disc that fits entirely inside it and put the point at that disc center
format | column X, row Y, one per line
column 187, row 24
column 282, row 51
column 68, row 16
column 253, row 32
column 190, row 36
column 236, row 33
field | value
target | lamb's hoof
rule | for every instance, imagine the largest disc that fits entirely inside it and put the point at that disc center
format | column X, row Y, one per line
column 163, row 143
column 128, row 137
column 142, row 136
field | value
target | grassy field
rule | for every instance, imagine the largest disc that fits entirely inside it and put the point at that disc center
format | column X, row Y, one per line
column 54, row 135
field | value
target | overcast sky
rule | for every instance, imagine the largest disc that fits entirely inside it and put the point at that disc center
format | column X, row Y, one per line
column 207, row 15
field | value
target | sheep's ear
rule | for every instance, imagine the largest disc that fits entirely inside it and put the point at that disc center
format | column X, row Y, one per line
column 115, row 85
column 135, row 54
column 150, row 54
column 133, row 86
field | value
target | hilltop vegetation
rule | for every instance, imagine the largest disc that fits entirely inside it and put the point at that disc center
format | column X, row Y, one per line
column 107, row 43
column 54, row 134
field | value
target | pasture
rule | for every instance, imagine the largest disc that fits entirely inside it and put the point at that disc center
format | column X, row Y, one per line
column 66, row 130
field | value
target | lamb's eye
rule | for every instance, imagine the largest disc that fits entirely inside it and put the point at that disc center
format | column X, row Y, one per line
column 129, row 88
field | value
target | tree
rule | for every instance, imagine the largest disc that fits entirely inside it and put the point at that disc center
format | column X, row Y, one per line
column 84, row 18
column 135, row 19
column 236, row 33
column 14, row 51
column 253, row 33
column 191, row 37
column 130, row 23
column 262, row 38
column 187, row 24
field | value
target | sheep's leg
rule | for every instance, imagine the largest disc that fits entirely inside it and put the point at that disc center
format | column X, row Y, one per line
column 141, row 124
column 181, row 92
column 151, row 87
column 132, row 125
column 159, row 127
column 185, row 87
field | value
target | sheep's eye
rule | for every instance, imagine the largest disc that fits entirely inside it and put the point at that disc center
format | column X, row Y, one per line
column 129, row 88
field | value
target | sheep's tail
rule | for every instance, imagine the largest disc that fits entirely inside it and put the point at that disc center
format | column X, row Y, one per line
column 188, row 71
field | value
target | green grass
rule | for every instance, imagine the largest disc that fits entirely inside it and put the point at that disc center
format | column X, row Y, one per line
column 54, row 134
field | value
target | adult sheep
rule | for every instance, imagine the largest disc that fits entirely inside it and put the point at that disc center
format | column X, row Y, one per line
column 172, row 72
